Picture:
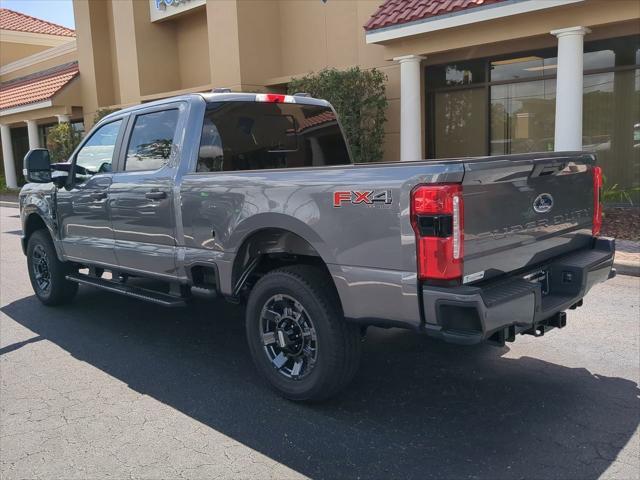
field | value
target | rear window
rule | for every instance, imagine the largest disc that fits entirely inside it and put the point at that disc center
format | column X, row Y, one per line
column 254, row 136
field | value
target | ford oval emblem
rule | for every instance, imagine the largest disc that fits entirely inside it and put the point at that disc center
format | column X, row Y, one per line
column 543, row 203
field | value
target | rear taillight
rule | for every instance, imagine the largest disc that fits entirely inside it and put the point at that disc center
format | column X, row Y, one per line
column 274, row 98
column 437, row 217
column 597, row 206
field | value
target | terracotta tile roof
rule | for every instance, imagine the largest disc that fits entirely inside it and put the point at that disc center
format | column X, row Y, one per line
column 324, row 117
column 395, row 12
column 19, row 22
column 36, row 87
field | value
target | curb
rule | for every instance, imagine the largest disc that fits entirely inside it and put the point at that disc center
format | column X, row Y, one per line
column 627, row 268
column 9, row 204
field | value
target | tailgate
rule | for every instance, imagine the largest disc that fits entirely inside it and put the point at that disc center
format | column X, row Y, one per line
column 521, row 210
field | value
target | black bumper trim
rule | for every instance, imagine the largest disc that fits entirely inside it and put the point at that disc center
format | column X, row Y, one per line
column 471, row 314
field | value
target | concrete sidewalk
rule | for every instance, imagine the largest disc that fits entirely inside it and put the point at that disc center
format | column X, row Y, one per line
column 627, row 257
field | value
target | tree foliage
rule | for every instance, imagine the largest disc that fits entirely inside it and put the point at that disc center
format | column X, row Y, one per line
column 62, row 141
column 103, row 112
column 359, row 98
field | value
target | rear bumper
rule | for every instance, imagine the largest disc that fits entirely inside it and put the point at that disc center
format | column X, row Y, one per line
column 498, row 310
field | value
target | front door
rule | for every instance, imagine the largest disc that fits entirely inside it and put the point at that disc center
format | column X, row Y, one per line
column 84, row 206
column 142, row 210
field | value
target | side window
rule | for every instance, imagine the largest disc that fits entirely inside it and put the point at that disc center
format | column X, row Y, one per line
column 151, row 140
column 96, row 155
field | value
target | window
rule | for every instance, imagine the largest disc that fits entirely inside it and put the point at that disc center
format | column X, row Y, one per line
column 96, row 155
column 459, row 131
column 523, row 117
column 524, row 67
column 253, row 136
column 151, row 140
column 506, row 104
column 611, row 53
column 457, row 74
column 611, row 125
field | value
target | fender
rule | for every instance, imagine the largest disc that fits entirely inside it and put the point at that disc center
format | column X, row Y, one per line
column 39, row 201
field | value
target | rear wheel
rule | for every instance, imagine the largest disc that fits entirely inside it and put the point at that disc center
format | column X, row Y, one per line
column 297, row 334
column 47, row 273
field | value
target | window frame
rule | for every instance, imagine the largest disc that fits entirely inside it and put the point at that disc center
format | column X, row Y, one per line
column 126, row 140
column 124, row 119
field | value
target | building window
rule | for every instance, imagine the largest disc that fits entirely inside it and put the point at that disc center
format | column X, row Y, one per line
column 611, row 124
column 504, row 105
column 524, row 67
column 522, row 117
column 461, row 132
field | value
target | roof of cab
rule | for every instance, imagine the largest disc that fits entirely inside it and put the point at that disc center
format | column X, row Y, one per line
column 219, row 97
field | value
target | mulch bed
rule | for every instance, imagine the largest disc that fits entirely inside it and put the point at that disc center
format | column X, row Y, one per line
column 622, row 222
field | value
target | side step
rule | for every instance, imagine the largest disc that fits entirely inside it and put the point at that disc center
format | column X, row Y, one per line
column 128, row 290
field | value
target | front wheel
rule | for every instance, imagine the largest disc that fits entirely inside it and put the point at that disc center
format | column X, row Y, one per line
column 47, row 273
column 297, row 334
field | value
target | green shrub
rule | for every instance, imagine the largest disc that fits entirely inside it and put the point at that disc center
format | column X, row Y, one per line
column 615, row 194
column 103, row 112
column 359, row 98
column 61, row 141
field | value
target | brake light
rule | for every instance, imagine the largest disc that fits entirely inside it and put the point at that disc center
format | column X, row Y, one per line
column 597, row 206
column 437, row 217
column 274, row 98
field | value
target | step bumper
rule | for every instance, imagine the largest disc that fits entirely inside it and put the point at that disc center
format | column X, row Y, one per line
column 503, row 308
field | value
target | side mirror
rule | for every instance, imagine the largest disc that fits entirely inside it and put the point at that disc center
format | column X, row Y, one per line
column 37, row 166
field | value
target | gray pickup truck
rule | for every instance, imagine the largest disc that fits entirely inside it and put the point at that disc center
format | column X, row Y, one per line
column 253, row 197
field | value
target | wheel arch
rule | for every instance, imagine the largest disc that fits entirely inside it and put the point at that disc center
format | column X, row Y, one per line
column 34, row 221
column 269, row 248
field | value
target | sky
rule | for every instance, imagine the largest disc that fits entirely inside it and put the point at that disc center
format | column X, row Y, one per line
column 56, row 11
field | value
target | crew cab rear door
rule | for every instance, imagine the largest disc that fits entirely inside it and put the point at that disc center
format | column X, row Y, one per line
column 521, row 210
column 142, row 212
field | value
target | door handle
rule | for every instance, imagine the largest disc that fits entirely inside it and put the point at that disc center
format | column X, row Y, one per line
column 155, row 195
column 98, row 196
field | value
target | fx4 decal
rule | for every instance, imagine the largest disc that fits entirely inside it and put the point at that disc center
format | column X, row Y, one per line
column 367, row 197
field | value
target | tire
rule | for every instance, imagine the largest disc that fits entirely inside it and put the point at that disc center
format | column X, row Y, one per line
column 314, row 332
column 47, row 273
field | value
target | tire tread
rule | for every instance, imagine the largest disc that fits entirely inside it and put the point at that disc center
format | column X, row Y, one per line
column 344, row 361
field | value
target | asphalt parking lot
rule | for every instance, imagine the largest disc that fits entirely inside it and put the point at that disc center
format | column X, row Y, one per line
column 110, row 387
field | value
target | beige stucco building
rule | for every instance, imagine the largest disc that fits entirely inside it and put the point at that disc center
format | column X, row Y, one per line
column 471, row 77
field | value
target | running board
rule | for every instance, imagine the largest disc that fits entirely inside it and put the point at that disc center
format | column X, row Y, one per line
column 152, row 296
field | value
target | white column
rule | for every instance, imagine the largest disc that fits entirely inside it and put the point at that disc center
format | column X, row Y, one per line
column 32, row 132
column 410, row 107
column 568, row 135
column 7, row 157
column 63, row 118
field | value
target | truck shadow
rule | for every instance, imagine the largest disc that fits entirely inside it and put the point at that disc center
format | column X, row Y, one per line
column 417, row 408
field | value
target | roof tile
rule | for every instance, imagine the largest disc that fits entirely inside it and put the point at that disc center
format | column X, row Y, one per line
column 37, row 87
column 19, row 22
column 396, row 12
